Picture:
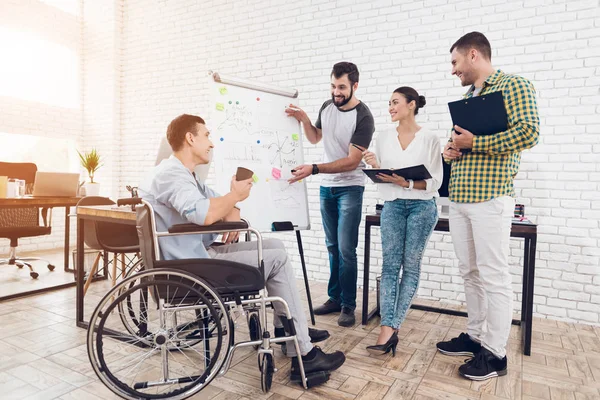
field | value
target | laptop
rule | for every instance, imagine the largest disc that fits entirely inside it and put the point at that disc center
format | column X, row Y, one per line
column 55, row 184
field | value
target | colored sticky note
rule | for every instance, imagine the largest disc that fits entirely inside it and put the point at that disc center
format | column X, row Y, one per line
column 220, row 107
column 276, row 173
column 295, row 137
column 223, row 90
column 255, row 178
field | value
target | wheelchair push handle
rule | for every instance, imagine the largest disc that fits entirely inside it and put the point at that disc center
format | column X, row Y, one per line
column 129, row 201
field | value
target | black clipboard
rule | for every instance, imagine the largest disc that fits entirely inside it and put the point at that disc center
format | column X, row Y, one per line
column 415, row 173
column 480, row 115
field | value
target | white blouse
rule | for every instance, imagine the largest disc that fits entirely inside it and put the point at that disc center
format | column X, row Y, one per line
column 424, row 149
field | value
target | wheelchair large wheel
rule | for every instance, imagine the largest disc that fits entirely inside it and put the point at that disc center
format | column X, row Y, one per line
column 267, row 369
column 163, row 359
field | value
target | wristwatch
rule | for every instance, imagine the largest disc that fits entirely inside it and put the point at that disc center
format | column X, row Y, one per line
column 315, row 169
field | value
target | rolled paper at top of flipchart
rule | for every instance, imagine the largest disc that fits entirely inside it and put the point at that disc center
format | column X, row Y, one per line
column 293, row 93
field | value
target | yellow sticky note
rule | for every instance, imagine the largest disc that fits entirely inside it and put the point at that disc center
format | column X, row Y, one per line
column 220, row 107
column 295, row 137
column 255, row 178
column 223, row 90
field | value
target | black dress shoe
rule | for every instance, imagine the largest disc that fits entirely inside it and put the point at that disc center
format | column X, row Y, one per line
column 385, row 348
column 317, row 361
column 329, row 307
column 316, row 335
column 347, row 317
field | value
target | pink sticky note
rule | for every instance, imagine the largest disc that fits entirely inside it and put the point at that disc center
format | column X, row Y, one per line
column 276, row 173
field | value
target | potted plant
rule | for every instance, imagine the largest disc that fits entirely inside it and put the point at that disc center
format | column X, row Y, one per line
column 91, row 162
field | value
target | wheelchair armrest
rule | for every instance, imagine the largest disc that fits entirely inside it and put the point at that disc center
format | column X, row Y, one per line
column 227, row 226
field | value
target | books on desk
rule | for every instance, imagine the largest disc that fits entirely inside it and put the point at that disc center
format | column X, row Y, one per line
column 415, row 173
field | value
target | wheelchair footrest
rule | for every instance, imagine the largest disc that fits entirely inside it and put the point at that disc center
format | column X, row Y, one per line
column 312, row 378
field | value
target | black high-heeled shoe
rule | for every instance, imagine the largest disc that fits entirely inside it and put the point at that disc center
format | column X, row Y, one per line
column 385, row 348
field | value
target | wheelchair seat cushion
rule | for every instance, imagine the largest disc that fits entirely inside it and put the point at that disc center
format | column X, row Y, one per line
column 226, row 277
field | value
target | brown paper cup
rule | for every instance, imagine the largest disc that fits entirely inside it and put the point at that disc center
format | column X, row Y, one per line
column 243, row 173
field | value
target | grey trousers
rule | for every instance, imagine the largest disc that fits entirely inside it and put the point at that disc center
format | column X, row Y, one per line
column 280, row 281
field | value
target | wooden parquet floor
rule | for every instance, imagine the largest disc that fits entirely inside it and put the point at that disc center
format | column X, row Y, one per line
column 43, row 356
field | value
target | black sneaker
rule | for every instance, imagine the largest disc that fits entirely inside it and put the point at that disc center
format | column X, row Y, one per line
column 346, row 317
column 329, row 307
column 462, row 345
column 484, row 365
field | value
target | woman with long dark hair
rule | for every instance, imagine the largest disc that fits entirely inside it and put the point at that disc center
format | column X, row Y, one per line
column 409, row 212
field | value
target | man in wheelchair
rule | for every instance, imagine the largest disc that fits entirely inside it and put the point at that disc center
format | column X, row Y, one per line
column 178, row 197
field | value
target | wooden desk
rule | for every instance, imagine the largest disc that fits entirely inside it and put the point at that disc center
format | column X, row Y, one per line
column 112, row 213
column 525, row 231
column 47, row 202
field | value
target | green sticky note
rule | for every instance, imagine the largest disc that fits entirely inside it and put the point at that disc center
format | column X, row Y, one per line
column 255, row 178
column 295, row 137
column 220, row 107
column 223, row 90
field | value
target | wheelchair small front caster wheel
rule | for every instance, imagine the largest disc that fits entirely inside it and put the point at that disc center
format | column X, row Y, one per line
column 51, row 267
column 254, row 328
column 34, row 275
column 267, row 369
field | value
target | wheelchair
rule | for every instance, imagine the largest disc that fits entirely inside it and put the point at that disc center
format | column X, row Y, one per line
column 167, row 331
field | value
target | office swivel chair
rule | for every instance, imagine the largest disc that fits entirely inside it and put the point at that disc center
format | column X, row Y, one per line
column 16, row 223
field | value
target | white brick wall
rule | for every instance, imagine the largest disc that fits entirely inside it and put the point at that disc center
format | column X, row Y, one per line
column 161, row 50
column 169, row 45
column 167, row 48
column 102, row 23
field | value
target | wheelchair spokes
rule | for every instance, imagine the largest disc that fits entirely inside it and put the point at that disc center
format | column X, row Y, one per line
column 156, row 350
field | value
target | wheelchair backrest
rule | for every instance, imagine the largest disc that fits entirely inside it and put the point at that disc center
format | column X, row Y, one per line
column 146, row 230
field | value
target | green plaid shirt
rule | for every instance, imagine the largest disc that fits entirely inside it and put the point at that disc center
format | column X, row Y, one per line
column 488, row 171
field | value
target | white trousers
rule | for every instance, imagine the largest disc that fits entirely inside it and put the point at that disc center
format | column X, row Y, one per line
column 481, row 233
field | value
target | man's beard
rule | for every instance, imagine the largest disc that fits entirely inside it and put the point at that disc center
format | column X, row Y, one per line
column 468, row 79
column 345, row 101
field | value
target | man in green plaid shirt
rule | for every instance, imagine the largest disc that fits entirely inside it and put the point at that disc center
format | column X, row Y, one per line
column 481, row 191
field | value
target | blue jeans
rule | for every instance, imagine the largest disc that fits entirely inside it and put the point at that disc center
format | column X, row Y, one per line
column 341, row 210
column 406, row 226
